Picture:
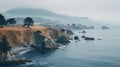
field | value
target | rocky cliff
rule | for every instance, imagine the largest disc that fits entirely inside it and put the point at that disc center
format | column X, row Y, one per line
column 21, row 36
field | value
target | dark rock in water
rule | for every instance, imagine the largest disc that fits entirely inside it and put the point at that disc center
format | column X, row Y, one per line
column 69, row 32
column 76, row 38
column 63, row 30
column 83, row 31
column 89, row 38
column 99, row 39
column 105, row 27
column 83, row 36
column 8, row 63
column 90, row 27
column 63, row 40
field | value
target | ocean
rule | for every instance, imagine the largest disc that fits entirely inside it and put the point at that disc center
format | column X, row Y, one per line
column 97, row 53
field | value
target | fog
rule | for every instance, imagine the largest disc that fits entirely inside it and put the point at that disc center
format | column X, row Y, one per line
column 102, row 10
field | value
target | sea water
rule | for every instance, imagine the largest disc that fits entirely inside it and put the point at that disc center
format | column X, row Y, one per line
column 97, row 53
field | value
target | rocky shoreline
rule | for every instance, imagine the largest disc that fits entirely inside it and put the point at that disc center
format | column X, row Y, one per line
column 38, row 37
column 14, row 62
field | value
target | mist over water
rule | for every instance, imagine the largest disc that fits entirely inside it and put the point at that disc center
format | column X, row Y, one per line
column 104, row 51
column 98, row 53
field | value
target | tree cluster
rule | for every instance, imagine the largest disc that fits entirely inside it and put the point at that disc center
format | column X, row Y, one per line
column 4, row 45
column 28, row 21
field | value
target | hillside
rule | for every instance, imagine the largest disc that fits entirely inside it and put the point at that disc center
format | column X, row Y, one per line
column 30, row 12
column 46, row 14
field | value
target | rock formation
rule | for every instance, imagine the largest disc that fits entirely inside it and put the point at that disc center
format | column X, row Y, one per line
column 42, row 42
column 69, row 32
column 63, row 38
column 36, row 35
column 83, row 36
column 76, row 38
column 83, row 31
column 6, row 59
column 104, row 27
column 89, row 38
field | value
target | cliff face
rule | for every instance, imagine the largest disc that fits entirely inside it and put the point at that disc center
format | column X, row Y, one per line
column 20, row 36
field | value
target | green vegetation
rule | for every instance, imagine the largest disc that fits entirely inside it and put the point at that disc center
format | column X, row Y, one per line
column 28, row 21
column 11, row 21
column 4, row 45
column 2, row 20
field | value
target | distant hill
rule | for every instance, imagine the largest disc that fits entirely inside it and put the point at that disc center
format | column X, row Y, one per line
column 30, row 12
column 34, row 12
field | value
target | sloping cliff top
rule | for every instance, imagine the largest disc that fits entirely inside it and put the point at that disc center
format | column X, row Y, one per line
column 21, row 28
column 18, row 35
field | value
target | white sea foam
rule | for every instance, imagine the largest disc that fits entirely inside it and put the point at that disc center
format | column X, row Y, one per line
column 20, row 50
column 24, row 51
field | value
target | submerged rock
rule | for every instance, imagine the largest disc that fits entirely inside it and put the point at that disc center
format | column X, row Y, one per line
column 83, row 36
column 99, row 39
column 83, row 31
column 89, row 38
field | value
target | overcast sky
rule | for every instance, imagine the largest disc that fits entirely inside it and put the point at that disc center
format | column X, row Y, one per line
column 105, row 10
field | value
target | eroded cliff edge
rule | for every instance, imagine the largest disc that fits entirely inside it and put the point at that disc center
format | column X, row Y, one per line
column 21, row 36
